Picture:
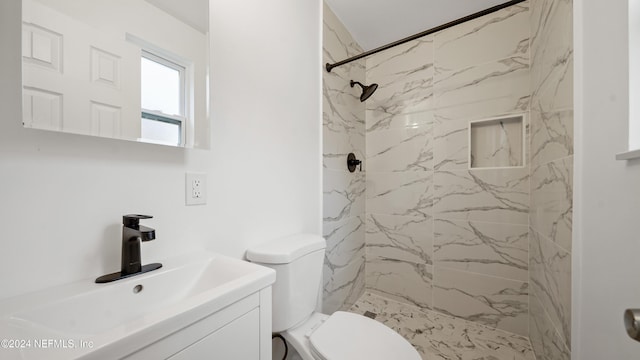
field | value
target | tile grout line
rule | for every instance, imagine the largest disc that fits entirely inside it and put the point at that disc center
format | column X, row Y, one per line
column 479, row 274
column 543, row 236
column 553, row 325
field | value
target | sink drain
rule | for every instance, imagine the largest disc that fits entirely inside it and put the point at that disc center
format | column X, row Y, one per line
column 137, row 289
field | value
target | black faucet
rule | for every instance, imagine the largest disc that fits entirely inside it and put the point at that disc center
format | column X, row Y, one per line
column 132, row 235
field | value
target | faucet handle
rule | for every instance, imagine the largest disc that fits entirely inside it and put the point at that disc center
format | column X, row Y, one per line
column 134, row 219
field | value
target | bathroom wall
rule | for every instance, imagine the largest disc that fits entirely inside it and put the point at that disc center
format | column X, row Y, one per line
column 344, row 192
column 440, row 235
column 551, row 162
column 605, row 233
column 63, row 195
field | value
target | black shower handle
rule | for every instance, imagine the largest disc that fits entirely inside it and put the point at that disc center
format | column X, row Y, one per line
column 352, row 162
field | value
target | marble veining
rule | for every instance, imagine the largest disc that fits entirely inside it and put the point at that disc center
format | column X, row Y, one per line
column 400, row 237
column 494, row 249
column 343, row 114
column 385, row 121
column 451, row 144
column 492, row 301
column 440, row 236
column 344, row 242
column 401, row 193
column 405, row 76
column 401, row 280
column 510, row 97
column 400, row 149
column 495, row 82
column 343, row 118
column 343, row 287
column 499, row 35
column 499, row 195
column 552, row 55
column 439, row 336
column 552, row 201
column 555, row 90
column 551, row 136
column 497, row 143
column 551, row 282
column 551, row 177
column 337, row 41
column 343, row 193
column 545, row 340
column 403, row 196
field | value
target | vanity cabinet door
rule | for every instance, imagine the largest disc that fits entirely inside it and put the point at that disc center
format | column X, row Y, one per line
column 238, row 327
column 238, row 340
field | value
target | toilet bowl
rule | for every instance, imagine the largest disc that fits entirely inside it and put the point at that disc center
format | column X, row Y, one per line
column 298, row 262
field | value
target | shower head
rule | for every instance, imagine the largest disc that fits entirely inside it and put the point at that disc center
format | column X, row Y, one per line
column 367, row 91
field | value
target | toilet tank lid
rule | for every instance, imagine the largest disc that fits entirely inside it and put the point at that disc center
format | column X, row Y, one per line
column 286, row 250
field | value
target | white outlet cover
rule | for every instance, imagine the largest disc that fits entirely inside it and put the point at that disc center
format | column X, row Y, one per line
column 195, row 188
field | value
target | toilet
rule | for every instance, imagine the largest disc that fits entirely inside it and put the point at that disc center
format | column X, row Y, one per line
column 298, row 262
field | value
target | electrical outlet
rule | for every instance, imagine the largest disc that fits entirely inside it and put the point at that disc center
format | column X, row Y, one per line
column 196, row 189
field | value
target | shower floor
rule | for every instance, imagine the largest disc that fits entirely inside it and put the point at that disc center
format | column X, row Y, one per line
column 439, row 336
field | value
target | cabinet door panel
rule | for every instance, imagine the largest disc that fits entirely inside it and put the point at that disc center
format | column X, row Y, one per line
column 238, row 340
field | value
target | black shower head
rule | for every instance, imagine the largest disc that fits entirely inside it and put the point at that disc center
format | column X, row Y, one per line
column 367, row 91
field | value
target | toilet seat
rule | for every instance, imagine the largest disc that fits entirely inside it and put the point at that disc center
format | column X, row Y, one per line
column 348, row 336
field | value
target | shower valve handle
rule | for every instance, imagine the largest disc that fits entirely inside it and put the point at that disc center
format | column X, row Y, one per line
column 352, row 162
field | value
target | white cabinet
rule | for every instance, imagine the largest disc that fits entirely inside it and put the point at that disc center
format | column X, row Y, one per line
column 240, row 331
column 236, row 340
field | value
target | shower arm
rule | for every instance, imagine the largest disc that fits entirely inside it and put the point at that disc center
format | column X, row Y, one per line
column 490, row 10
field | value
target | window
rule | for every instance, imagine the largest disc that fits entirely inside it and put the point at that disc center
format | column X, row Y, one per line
column 163, row 100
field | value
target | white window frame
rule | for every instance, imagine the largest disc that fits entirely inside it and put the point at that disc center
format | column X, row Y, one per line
column 180, row 119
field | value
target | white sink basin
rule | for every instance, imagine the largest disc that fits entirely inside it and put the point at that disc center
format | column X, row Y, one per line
column 122, row 316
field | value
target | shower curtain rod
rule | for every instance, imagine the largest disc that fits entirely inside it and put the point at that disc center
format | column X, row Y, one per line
column 490, row 10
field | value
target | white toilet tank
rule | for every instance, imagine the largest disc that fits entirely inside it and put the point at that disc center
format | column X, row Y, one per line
column 297, row 261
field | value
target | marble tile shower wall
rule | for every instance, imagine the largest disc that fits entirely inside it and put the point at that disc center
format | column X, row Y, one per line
column 343, row 192
column 551, row 163
column 439, row 235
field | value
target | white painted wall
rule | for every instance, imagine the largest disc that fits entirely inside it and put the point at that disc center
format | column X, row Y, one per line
column 62, row 196
column 607, row 192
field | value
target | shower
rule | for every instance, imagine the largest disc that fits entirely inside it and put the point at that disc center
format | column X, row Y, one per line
column 367, row 91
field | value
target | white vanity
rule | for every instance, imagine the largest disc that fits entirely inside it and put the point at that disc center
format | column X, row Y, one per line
column 197, row 306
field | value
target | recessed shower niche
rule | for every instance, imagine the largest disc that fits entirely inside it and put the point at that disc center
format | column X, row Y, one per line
column 497, row 142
